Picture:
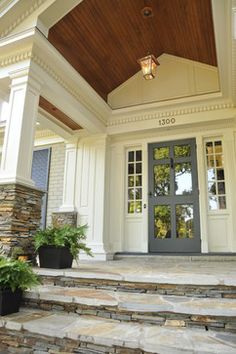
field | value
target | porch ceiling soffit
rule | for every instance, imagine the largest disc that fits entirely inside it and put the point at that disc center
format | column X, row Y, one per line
column 47, row 121
column 86, row 108
column 224, row 15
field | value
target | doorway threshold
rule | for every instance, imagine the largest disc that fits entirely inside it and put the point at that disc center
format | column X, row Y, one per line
column 213, row 257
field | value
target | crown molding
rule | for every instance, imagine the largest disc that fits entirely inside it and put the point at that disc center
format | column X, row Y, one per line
column 15, row 58
column 21, row 17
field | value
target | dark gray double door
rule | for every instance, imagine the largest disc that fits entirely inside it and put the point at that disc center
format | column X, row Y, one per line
column 173, row 197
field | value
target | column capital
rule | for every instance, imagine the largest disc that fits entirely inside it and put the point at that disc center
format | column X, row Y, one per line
column 72, row 142
column 26, row 76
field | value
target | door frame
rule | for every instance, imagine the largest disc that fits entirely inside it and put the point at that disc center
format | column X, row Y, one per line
column 194, row 196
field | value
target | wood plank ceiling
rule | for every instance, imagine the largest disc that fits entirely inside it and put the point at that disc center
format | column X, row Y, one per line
column 102, row 39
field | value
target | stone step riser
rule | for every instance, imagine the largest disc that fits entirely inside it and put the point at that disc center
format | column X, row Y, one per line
column 221, row 323
column 39, row 332
column 209, row 291
column 28, row 343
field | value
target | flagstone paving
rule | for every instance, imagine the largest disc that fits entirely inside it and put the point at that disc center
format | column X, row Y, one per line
column 144, row 305
column 110, row 333
column 153, row 270
column 135, row 302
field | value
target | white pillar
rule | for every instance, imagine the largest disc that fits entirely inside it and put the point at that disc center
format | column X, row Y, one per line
column 68, row 201
column 20, row 129
column 92, row 196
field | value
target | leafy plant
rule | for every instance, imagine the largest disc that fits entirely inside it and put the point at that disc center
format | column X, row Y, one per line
column 63, row 236
column 16, row 251
column 16, row 274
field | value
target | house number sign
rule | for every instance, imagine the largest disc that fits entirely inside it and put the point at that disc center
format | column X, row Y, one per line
column 166, row 121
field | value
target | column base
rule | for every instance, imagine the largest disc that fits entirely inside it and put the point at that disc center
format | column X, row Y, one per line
column 106, row 256
column 99, row 253
column 20, row 216
column 61, row 218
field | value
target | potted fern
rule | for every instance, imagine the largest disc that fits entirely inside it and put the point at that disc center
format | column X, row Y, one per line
column 57, row 246
column 15, row 277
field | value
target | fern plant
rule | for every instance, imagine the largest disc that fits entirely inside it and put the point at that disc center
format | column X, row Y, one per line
column 63, row 236
column 16, row 274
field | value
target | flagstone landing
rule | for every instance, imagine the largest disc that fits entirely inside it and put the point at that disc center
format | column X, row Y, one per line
column 153, row 270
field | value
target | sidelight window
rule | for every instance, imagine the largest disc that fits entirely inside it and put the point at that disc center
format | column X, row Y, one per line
column 135, row 181
column 215, row 175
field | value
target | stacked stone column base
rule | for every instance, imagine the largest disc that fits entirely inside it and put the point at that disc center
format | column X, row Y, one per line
column 20, row 215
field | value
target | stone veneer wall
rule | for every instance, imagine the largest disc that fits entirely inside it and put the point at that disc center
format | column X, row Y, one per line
column 20, row 214
column 64, row 218
column 56, row 176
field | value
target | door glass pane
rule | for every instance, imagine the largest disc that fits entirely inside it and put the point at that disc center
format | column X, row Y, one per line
column 130, row 181
column 222, row 202
column 182, row 150
column 134, row 207
column 220, row 174
column 212, row 188
column 209, row 147
column 183, row 178
column 138, row 180
column 131, row 156
column 184, row 221
column 211, row 174
column 218, row 147
column 210, row 161
column 162, row 223
column 221, row 188
column 161, row 153
column 131, row 169
column 213, row 202
column 219, row 160
column 131, row 192
column 162, row 179
column 138, row 193
column 139, row 155
column 139, row 167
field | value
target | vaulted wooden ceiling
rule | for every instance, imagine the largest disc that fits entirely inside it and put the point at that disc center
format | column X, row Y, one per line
column 102, row 39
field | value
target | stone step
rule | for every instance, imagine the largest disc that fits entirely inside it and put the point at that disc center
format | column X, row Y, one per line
column 197, row 281
column 32, row 331
column 180, row 311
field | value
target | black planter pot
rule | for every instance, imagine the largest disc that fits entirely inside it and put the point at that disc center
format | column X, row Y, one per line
column 55, row 257
column 9, row 301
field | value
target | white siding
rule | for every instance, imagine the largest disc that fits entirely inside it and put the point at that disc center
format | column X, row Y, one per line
column 56, row 176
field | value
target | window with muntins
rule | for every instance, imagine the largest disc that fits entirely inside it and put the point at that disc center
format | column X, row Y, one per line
column 134, row 182
column 215, row 175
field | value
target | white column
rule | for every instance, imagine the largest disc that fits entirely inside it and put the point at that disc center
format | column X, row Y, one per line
column 20, row 129
column 93, row 207
column 68, row 201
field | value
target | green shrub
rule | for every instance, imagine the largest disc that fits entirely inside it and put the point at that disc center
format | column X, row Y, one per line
column 71, row 237
column 16, row 274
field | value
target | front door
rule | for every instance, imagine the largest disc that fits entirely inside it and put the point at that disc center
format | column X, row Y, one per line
column 173, row 197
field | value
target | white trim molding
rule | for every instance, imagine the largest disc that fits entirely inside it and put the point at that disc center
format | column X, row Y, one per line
column 21, row 17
